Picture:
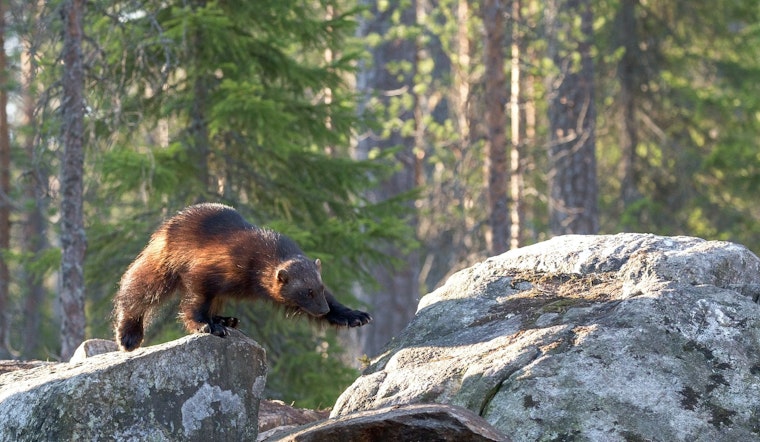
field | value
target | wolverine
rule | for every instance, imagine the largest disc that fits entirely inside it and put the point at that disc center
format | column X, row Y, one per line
column 208, row 253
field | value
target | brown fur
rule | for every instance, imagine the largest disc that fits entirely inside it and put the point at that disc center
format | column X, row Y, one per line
column 208, row 253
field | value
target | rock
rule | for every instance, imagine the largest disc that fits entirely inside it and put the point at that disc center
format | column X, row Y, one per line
column 273, row 414
column 616, row 338
column 199, row 387
column 93, row 347
column 400, row 423
column 13, row 365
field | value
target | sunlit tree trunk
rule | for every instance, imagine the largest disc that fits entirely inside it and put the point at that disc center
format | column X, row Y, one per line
column 497, row 163
column 73, row 240
column 532, row 152
column 517, row 128
column 5, row 188
column 572, row 159
column 461, row 67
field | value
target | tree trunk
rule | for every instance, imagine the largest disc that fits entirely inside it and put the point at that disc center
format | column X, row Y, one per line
column 572, row 159
column 461, row 68
column 497, row 164
column 532, row 153
column 5, row 190
column 73, row 240
column 199, row 135
column 515, row 115
column 628, row 85
column 198, row 130
column 34, row 235
column 34, row 243
column 394, row 305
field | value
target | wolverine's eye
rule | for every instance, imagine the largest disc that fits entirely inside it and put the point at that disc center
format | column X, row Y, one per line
column 311, row 293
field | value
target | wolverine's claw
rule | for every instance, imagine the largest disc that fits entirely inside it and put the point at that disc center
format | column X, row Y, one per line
column 214, row 329
column 226, row 321
column 349, row 318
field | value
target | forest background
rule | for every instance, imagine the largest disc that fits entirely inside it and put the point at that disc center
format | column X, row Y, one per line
column 397, row 141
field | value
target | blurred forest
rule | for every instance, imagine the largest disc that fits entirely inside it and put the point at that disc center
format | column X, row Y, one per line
column 396, row 141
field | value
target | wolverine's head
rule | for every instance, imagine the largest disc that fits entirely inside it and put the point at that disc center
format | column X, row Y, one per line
column 299, row 283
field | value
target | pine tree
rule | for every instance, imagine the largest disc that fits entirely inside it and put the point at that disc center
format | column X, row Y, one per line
column 34, row 242
column 496, row 97
column 5, row 191
column 236, row 102
column 573, row 206
column 72, row 180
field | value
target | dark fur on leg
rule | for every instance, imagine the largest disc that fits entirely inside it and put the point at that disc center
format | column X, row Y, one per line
column 130, row 334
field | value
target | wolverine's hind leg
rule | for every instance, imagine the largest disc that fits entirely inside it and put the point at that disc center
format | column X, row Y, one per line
column 129, row 319
column 141, row 290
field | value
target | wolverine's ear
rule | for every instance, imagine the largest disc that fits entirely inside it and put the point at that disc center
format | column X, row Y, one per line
column 282, row 276
column 319, row 265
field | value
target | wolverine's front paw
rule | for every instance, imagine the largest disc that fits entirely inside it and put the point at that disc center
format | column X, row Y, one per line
column 214, row 329
column 348, row 318
column 226, row 321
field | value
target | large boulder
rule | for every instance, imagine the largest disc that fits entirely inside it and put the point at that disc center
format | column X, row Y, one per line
column 611, row 338
column 199, row 387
